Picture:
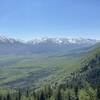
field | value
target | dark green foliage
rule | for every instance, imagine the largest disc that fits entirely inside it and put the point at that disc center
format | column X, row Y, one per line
column 4, row 98
column 57, row 93
column 58, row 96
column 98, row 92
column 27, row 93
column 19, row 95
column 42, row 96
column 0, row 97
column 76, row 93
column 8, row 97
column 69, row 96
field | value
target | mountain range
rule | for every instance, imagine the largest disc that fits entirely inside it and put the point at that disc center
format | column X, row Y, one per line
column 10, row 46
column 4, row 39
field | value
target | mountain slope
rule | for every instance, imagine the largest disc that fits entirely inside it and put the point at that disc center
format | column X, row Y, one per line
column 90, row 68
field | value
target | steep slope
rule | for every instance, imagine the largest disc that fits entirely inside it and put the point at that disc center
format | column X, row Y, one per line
column 90, row 68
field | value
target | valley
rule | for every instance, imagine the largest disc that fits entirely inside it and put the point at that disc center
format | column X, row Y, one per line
column 24, row 70
column 49, row 71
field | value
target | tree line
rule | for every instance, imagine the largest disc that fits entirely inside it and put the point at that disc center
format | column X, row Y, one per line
column 61, row 92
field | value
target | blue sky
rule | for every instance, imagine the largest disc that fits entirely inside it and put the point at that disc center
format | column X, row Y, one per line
column 26, row 19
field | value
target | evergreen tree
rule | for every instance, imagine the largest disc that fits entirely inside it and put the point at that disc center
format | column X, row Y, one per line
column 27, row 93
column 4, row 98
column 76, row 93
column 19, row 94
column 58, row 96
column 98, row 92
column 69, row 96
column 42, row 96
column 8, row 97
column 0, row 97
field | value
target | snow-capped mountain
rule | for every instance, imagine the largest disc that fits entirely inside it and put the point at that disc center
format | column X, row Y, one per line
column 4, row 39
column 10, row 46
column 64, row 41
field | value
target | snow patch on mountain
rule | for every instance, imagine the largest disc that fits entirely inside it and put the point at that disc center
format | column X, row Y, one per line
column 64, row 41
column 4, row 39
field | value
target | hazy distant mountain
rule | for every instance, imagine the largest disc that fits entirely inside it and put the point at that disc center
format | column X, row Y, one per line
column 44, row 45
column 9, row 40
column 50, row 40
column 64, row 41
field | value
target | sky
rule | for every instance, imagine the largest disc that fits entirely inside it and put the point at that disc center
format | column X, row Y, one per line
column 27, row 19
